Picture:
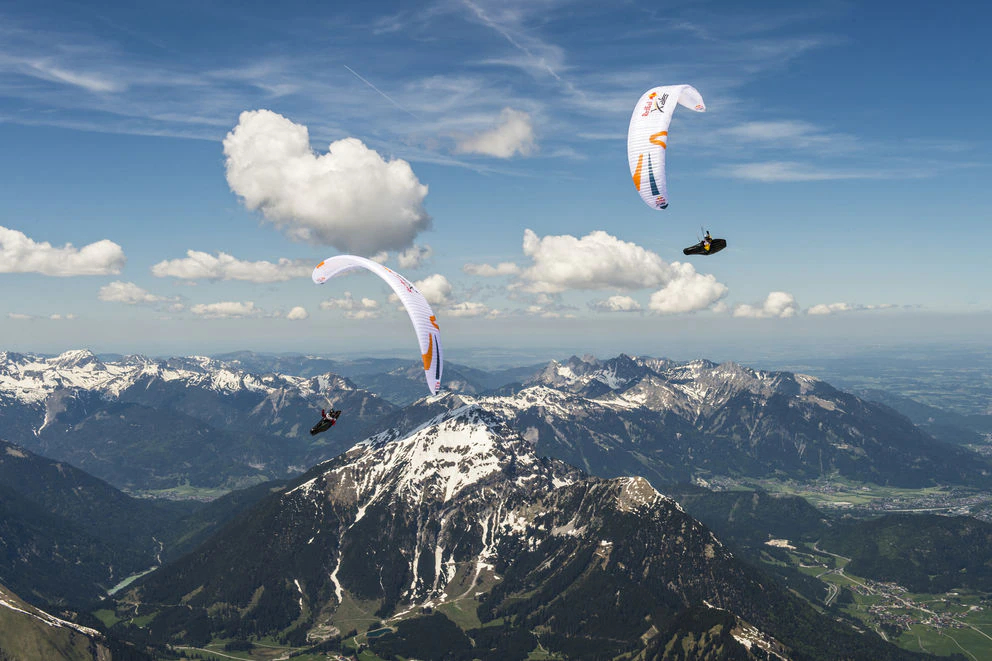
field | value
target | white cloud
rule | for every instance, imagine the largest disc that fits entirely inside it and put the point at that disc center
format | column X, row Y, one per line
column 127, row 293
column 365, row 308
column 790, row 134
column 687, row 291
column 20, row 254
column 436, row 289
column 595, row 261
column 349, row 197
column 19, row 316
column 548, row 299
column 469, row 309
column 380, row 257
column 200, row 265
column 550, row 306
column 298, row 313
column 616, row 304
column 514, row 22
column 789, row 171
column 778, row 304
column 225, row 309
column 554, row 313
column 489, row 271
column 513, row 134
column 45, row 70
column 834, row 308
column 414, row 257
column 828, row 308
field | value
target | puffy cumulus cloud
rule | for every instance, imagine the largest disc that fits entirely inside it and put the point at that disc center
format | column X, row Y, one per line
column 470, row 309
column 298, row 314
column 226, row 310
column 365, row 308
column 380, row 257
column 687, row 291
column 829, row 308
column 596, row 261
column 834, row 308
column 778, row 304
column 616, row 304
column 414, row 257
column 349, row 198
column 204, row 266
column 489, row 271
column 512, row 134
column 21, row 254
column 128, row 293
column 436, row 289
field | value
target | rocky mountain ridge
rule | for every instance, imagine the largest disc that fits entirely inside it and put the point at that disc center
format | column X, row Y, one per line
column 145, row 424
column 460, row 512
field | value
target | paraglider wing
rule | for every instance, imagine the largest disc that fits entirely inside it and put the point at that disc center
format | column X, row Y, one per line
column 424, row 321
column 647, row 138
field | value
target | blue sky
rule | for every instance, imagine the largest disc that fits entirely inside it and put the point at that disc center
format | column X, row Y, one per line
column 843, row 154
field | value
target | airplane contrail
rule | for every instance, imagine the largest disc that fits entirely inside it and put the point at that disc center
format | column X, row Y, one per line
column 383, row 94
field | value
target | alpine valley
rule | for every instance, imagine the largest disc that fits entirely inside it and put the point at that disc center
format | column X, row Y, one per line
column 520, row 514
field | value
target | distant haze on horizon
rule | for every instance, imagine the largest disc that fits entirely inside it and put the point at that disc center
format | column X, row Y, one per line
column 804, row 339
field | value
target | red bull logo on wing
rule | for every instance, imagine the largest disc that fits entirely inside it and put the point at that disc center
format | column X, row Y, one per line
column 647, row 106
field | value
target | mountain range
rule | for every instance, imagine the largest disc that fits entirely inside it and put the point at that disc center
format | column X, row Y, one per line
column 690, row 422
column 460, row 515
column 148, row 425
column 473, row 513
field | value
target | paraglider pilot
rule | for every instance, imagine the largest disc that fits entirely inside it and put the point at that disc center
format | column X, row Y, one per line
column 706, row 241
column 327, row 420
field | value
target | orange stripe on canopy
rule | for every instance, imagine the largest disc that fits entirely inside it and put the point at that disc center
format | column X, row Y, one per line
column 637, row 172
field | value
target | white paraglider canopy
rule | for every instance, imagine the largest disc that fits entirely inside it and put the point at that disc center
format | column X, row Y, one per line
column 647, row 138
column 424, row 321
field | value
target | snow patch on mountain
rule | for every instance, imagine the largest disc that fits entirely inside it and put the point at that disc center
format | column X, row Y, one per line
column 464, row 457
column 8, row 601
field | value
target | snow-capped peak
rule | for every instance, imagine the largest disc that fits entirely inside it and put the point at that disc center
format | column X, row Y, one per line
column 436, row 461
column 77, row 358
column 31, row 379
